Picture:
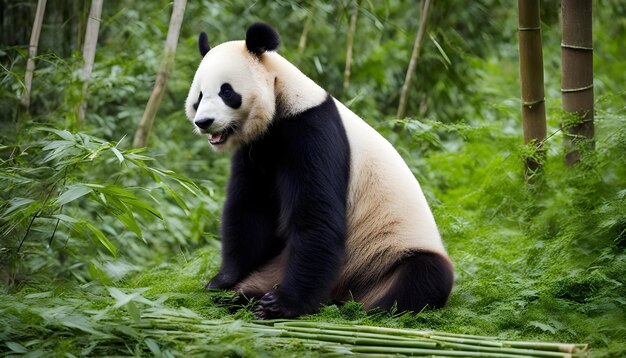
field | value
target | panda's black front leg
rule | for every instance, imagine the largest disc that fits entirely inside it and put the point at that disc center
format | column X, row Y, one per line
column 315, row 221
column 248, row 225
column 312, row 267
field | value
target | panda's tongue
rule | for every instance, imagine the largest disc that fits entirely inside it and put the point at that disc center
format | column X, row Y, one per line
column 216, row 138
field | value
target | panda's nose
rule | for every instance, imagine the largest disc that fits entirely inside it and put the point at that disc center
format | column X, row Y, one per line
column 204, row 123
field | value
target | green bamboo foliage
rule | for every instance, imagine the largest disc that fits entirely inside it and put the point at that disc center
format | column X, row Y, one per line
column 577, row 76
column 531, row 79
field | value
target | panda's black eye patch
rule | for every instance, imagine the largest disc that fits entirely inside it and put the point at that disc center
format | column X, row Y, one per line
column 231, row 98
column 195, row 105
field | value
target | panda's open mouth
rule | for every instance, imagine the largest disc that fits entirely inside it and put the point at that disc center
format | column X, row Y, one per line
column 220, row 137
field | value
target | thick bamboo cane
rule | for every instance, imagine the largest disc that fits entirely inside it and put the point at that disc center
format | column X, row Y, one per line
column 577, row 76
column 531, row 79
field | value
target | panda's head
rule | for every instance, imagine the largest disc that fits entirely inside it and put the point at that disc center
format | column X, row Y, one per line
column 232, row 98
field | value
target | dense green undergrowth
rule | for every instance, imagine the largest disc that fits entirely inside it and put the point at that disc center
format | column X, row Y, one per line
column 539, row 262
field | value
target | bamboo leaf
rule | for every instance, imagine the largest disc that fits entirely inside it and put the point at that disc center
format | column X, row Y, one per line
column 122, row 298
column 100, row 236
column 542, row 326
column 65, row 218
column 128, row 219
column 98, row 274
column 143, row 207
column 134, row 311
column 57, row 144
column 174, row 195
column 113, row 190
column 154, row 347
column 16, row 203
column 16, row 347
column 117, row 153
column 445, row 57
column 72, row 193
column 61, row 133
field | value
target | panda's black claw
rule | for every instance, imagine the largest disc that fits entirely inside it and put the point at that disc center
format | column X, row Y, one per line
column 221, row 281
column 269, row 298
column 271, row 306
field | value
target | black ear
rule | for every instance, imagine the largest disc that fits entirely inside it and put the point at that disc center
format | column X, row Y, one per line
column 203, row 44
column 261, row 37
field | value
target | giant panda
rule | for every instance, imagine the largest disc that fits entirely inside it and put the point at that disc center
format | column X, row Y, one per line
column 319, row 206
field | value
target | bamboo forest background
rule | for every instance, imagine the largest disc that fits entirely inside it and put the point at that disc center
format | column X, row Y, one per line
column 96, row 237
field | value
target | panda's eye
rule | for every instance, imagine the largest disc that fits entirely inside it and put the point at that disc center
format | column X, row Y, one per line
column 229, row 96
column 226, row 91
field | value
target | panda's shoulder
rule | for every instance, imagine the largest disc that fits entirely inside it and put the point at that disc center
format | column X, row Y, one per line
column 314, row 134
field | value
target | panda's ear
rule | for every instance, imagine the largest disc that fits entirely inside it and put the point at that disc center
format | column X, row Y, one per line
column 203, row 44
column 261, row 37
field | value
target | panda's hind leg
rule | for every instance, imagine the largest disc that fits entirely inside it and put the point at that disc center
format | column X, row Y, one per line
column 421, row 279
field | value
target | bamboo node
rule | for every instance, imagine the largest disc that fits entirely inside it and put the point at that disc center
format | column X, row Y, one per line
column 532, row 103
column 579, row 89
column 576, row 47
column 538, row 28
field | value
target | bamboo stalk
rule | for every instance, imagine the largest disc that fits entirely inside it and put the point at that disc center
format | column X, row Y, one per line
column 404, row 94
column 89, row 54
column 305, row 32
column 358, row 340
column 577, row 76
column 147, row 120
column 348, row 333
column 558, row 347
column 350, row 45
column 531, row 80
column 503, row 349
column 428, row 352
column 32, row 53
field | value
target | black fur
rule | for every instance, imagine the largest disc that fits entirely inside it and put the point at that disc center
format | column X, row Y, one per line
column 261, row 37
column 288, row 190
column 195, row 105
column 421, row 280
column 229, row 96
column 203, row 44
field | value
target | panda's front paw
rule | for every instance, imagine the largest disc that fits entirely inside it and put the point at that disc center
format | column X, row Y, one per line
column 221, row 281
column 272, row 306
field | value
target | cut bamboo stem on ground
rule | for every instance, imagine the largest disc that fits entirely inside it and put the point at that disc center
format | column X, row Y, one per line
column 360, row 339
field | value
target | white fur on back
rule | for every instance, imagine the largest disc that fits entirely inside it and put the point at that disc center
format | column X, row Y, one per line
column 384, row 196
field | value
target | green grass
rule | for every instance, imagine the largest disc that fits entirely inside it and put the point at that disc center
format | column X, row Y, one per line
column 534, row 263
column 541, row 262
